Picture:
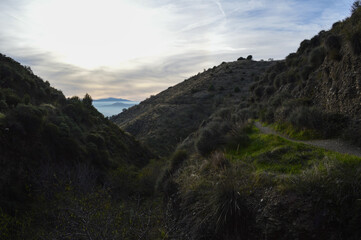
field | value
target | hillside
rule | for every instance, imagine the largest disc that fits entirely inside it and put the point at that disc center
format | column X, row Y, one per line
column 164, row 120
column 239, row 158
column 226, row 179
column 56, row 151
column 318, row 87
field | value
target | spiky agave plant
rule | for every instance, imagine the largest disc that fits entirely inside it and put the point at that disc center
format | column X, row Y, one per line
column 230, row 215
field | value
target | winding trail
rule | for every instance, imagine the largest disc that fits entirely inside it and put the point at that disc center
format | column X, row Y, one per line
column 336, row 145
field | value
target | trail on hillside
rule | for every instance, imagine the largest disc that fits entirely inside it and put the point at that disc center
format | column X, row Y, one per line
column 336, row 145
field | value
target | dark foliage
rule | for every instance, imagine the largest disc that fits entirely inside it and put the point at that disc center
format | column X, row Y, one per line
column 44, row 137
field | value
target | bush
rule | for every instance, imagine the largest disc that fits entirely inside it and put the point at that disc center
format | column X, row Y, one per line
column 356, row 5
column 219, row 161
column 355, row 41
column 208, row 140
column 305, row 72
column 211, row 88
column 333, row 42
column 237, row 90
column 249, row 57
column 177, row 159
column 353, row 132
column 306, row 117
column 333, row 45
column 303, row 46
column 291, row 59
column 237, row 135
column 317, row 56
column 230, row 214
column 258, row 92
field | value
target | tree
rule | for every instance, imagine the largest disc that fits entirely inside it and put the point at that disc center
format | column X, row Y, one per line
column 249, row 57
column 87, row 100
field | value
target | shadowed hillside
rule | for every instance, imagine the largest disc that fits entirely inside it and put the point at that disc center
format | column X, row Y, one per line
column 318, row 87
column 63, row 162
column 164, row 120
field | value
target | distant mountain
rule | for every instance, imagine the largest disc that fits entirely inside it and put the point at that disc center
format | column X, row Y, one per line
column 112, row 106
column 111, row 100
column 119, row 104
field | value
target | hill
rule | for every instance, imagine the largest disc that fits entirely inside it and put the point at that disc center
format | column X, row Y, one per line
column 164, row 120
column 56, row 151
column 317, row 88
column 226, row 179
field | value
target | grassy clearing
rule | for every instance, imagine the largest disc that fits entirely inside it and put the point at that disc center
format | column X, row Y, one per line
column 295, row 133
column 276, row 154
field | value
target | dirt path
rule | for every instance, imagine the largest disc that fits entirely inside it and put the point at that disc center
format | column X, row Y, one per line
column 336, row 145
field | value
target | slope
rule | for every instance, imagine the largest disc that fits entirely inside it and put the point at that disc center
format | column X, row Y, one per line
column 318, row 87
column 49, row 143
column 164, row 120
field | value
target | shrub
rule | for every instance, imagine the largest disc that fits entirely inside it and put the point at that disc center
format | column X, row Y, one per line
column 267, row 115
column 258, row 92
column 177, row 159
column 315, row 41
column 230, row 214
column 237, row 135
column 208, row 140
column 269, row 90
column 353, row 132
column 333, row 45
column 211, row 88
column 317, row 56
column 303, row 46
column 291, row 59
column 333, row 42
column 219, row 161
column 277, row 81
column 305, row 72
column 237, row 90
column 355, row 6
column 306, row 117
column 355, row 41
column 249, row 57
column 212, row 136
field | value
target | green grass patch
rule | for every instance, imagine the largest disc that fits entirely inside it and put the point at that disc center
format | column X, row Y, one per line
column 295, row 133
column 281, row 156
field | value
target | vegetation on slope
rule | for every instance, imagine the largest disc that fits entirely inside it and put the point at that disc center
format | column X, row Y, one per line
column 317, row 88
column 228, row 181
column 265, row 187
column 164, row 120
column 66, row 171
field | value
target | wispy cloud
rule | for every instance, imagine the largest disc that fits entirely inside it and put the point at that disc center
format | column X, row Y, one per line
column 137, row 48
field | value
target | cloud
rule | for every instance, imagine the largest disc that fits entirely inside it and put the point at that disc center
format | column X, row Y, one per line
column 141, row 47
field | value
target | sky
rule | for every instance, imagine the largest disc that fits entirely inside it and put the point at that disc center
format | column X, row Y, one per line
column 136, row 48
